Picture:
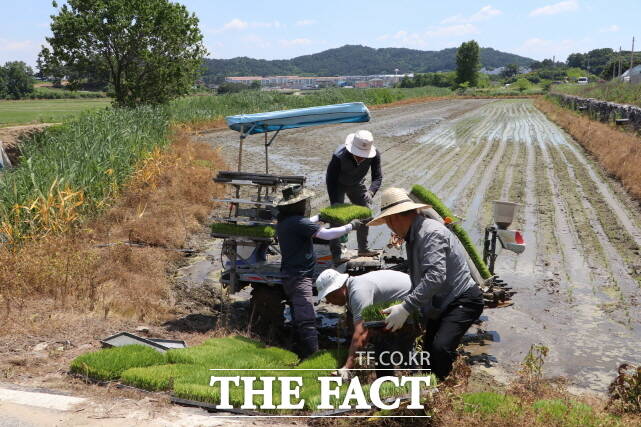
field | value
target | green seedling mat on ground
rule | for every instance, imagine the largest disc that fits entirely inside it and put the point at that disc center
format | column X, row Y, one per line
column 430, row 198
column 243, row 230
column 343, row 214
column 186, row 372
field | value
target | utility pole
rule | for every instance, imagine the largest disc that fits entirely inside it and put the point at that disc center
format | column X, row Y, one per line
column 619, row 73
column 631, row 59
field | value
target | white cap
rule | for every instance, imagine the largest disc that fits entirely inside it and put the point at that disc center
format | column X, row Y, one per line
column 361, row 144
column 329, row 281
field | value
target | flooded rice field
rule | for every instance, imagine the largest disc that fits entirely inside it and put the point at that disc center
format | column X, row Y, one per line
column 579, row 281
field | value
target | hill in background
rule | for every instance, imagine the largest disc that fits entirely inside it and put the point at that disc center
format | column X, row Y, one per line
column 355, row 60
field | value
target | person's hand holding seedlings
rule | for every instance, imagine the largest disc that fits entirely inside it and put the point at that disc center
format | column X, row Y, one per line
column 396, row 317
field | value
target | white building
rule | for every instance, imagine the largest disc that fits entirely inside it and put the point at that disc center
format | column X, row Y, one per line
column 633, row 75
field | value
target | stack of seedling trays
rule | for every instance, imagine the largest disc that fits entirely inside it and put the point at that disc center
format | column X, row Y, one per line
column 251, row 218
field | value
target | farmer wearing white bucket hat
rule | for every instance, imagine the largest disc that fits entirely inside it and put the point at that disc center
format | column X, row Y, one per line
column 358, row 292
column 442, row 286
column 346, row 175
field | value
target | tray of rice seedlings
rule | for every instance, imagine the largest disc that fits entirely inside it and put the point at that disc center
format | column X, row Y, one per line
column 155, row 378
column 426, row 196
column 374, row 318
column 344, row 213
column 233, row 353
column 225, row 229
column 109, row 364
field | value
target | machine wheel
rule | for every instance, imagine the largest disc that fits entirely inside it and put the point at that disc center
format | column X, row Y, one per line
column 266, row 308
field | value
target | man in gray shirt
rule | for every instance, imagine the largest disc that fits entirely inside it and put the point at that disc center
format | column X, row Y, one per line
column 359, row 292
column 442, row 286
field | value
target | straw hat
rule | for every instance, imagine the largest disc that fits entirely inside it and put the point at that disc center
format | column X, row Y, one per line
column 394, row 201
column 329, row 281
column 361, row 144
column 294, row 194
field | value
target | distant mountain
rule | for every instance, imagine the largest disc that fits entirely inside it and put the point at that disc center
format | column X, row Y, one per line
column 355, row 60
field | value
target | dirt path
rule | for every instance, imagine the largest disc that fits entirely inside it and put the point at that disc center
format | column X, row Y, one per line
column 578, row 282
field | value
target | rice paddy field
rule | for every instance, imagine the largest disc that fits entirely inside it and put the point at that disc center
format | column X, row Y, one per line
column 578, row 282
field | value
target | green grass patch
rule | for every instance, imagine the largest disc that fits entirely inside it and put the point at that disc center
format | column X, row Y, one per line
column 109, row 364
column 243, row 230
column 344, row 213
column 430, row 198
column 46, row 111
column 619, row 92
column 489, row 403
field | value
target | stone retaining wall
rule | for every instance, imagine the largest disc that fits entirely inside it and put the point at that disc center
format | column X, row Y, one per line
column 603, row 111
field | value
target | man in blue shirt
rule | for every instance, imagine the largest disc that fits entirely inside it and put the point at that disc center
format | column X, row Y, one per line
column 295, row 232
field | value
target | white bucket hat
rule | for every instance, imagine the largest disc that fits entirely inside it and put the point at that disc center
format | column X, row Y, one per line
column 360, row 144
column 394, row 201
column 329, row 281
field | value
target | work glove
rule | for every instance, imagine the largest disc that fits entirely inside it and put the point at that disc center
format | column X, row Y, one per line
column 356, row 224
column 344, row 373
column 397, row 315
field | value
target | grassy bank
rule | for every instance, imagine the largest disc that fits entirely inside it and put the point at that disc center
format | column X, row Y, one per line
column 618, row 152
column 621, row 93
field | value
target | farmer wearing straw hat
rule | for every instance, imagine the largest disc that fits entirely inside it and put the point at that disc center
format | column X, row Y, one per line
column 295, row 233
column 358, row 292
column 442, row 286
column 346, row 174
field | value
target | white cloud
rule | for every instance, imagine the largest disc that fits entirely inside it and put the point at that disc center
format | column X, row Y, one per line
column 610, row 29
column 256, row 41
column 452, row 30
column 15, row 45
column 305, row 22
column 485, row 13
column 295, row 42
column 239, row 25
column 422, row 39
column 553, row 9
column 540, row 49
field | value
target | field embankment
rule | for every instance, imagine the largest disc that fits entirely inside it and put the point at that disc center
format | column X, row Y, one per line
column 618, row 152
column 619, row 92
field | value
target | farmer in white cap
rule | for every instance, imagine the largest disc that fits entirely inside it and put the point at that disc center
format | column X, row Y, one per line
column 346, row 175
column 358, row 292
column 442, row 286
column 295, row 233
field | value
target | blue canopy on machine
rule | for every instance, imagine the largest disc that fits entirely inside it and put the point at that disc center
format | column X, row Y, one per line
column 354, row 112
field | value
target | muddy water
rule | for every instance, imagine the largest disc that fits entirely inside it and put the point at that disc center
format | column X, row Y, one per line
column 578, row 280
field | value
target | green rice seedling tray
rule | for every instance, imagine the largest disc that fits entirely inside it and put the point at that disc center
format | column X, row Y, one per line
column 109, row 364
column 372, row 313
column 227, row 229
column 430, row 198
column 186, row 373
column 343, row 214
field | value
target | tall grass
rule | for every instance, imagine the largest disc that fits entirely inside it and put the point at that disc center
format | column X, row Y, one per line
column 71, row 170
column 619, row 92
column 205, row 108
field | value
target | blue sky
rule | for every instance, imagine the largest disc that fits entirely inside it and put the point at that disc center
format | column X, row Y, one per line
column 284, row 29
